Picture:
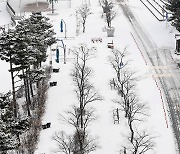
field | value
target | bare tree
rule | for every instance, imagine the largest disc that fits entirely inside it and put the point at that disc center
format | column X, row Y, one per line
column 143, row 142
column 74, row 117
column 84, row 89
column 118, row 63
column 124, row 81
column 107, row 6
column 82, row 142
column 52, row 3
column 81, row 115
column 125, row 85
column 84, row 12
column 135, row 109
column 123, row 151
column 65, row 142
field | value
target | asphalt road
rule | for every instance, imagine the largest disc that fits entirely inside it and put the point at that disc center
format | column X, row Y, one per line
column 165, row 68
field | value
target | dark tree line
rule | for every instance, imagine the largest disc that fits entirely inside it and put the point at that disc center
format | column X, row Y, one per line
column 24, row 48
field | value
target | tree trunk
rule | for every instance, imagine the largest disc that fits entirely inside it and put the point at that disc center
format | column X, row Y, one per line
column 81, row 147
column 81, row 106
column 135, row 150
column 13, row 90
column 84, row 27
column 28, row 87
column 125, row 150
column 132, row 131
column 82, row 95
column 81, row 141
column 81, row 117
column 108, row 24
column 26, row 94
column 127, row 107
column 31, row 89
column 52, row 1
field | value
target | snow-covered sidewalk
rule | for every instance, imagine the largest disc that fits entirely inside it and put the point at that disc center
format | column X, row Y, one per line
column 61, row 98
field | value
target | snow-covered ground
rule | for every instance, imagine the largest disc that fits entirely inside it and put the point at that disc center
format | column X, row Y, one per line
column 4, row 74
column 4, row 15
column 19, row 6
column 60, row 98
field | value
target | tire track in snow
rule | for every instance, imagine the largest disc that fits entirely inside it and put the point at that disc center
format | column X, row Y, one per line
column 154, row 57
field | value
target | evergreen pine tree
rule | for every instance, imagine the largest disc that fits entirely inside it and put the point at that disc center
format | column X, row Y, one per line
column 174, row 8
column 14, row 46
column 39, row 30
column 8, row 141
column 7, row 43
column 10, row 128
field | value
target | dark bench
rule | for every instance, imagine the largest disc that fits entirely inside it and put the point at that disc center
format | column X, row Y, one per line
column 110, row 45
column 55, row 70
column 54, row 83
column 48, row 125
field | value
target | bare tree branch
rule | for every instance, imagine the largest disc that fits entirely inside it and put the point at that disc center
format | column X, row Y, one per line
column 84, row 12
column 143, row 142
column 65, row 142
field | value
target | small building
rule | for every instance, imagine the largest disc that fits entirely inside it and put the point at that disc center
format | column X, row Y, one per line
column 177, row 50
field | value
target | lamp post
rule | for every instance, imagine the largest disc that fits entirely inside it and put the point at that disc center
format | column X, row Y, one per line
column 64, row 49
column 61, row 26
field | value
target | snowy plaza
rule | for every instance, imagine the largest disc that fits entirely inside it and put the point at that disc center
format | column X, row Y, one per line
column 141, row 35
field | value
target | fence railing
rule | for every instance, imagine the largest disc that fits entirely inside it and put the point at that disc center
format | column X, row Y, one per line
column 15, row 15
column 13, row 21
column 12, row 10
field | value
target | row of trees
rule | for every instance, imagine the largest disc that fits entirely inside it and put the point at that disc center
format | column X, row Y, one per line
column 24, row 48
column 134, row 110
column 82, row 114
column 84, row 11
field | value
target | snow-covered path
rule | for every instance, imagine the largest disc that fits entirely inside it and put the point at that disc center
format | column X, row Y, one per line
column 61, row 98
column 4, row 15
